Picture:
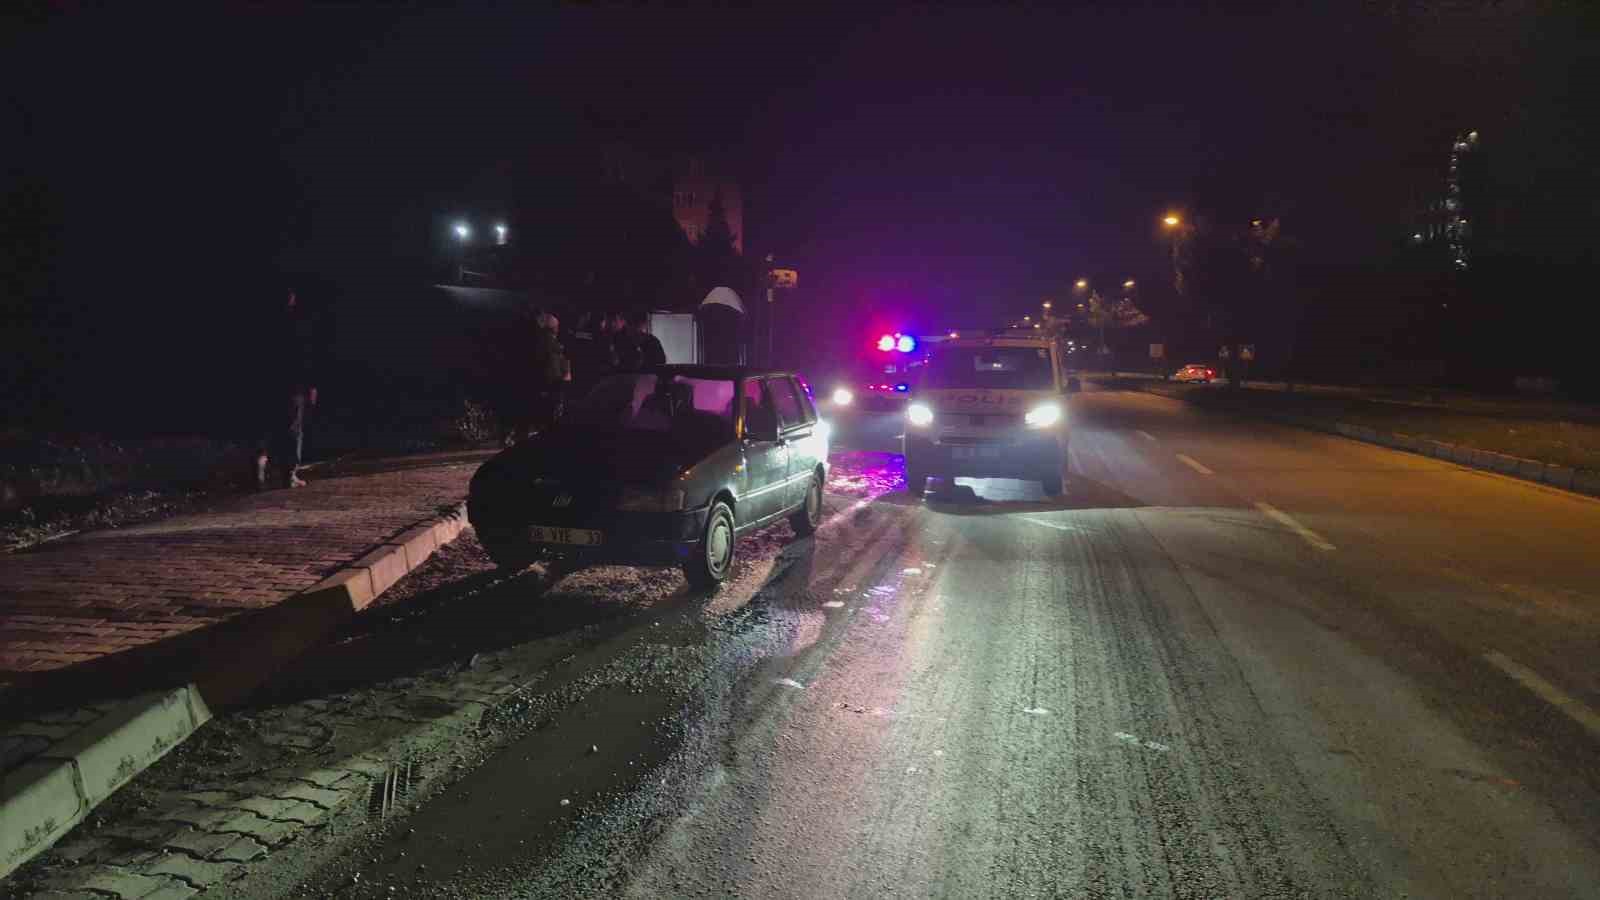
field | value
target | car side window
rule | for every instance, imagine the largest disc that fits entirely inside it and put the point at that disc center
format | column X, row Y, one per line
column 803, row 391
column 757, row 407
column 784, row 395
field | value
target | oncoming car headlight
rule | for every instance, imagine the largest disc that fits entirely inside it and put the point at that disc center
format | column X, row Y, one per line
column 636, row 499
column 919, row 414
column 843, row 396
column 1043, row 416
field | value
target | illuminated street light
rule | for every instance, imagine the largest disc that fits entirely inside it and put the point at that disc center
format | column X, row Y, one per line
column 1082, row 284
column 500, row 234
column 1046, row 304
column 1171, row 220
column 1128, row 283
column 462, row 231
column 1027, row 318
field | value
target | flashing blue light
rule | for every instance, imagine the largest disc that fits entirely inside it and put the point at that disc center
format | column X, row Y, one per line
column 905, row 343
column 902, row 387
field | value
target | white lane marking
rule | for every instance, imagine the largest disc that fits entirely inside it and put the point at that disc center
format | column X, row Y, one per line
column 1551, row 694
column 1284, row 519
column 1133, row 741
column 1037, row 711
column 1147, row 436
column 912, row 571
column 833, row 604
column 1194, row 464
column 790, row 683
column 1056, row 525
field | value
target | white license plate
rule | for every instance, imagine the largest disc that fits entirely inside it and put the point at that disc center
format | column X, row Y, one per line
column 975, row 452
column 578, row 537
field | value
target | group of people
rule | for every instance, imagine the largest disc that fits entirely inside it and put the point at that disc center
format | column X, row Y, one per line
column 538, row 374
column 602, row 344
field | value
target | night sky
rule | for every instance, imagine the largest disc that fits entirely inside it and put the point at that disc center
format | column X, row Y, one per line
column 961, row 164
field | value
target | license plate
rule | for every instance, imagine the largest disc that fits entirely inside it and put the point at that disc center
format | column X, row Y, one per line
column 578, row 537
column 975, row 452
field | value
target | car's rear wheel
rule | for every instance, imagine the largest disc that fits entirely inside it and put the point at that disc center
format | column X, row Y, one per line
column 808, row 517
column 711, row 566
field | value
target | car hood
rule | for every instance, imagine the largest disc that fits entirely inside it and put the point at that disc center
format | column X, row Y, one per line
column 601, row 456
column 981, row 400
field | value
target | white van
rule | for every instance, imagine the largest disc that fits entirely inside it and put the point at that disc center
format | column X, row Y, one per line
column 990, row 407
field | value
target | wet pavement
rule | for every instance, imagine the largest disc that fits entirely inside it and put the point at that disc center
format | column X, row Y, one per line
column 1234, row 660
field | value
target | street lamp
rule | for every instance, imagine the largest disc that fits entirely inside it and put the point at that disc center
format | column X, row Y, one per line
column 1082, row 284
column 1046, row 304
column 1128, row 283
column 500, row 234
column 1171, row 220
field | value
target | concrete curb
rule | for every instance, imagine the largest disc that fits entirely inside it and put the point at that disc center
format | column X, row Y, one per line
column 44, row 798
column 1577, row 481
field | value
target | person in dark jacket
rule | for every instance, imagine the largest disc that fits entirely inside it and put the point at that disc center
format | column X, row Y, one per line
column 593, row 352
column 295, row 384
column 648, row 351
column 547, row 374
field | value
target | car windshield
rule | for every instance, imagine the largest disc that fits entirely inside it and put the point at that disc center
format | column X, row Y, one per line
column 997, row 368
column 698, row 408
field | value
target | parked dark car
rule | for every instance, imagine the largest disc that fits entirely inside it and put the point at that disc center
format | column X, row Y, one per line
column 662, row 467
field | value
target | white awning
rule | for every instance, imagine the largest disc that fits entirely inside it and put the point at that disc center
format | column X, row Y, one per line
column 723, row 296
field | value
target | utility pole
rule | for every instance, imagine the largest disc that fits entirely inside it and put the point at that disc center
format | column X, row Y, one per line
column 777, row 279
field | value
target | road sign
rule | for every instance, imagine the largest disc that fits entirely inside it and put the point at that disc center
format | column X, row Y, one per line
column 1247, row 352
column 784, row 278
column 1158, row 351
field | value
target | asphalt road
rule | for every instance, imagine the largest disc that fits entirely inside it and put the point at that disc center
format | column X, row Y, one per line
column 1235, row 660
column 1238, row 660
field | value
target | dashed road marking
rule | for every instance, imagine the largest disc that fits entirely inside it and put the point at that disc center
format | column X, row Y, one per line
column 1287, row 521
column 1056, row 525
column 790, row 683
column 1528, row 678
column 1195, row 464
column 1147, row 436
column 1037, row 711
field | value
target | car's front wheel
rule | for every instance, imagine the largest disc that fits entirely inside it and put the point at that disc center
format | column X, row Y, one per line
column 808, row 517
column 711, row 566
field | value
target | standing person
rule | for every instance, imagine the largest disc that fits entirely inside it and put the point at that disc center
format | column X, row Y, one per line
column 294, row 358
column 625, row 347
column 548, row 373
column 649, row 350
column 593, row 355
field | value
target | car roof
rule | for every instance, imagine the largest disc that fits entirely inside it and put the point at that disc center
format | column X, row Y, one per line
column 715, row 372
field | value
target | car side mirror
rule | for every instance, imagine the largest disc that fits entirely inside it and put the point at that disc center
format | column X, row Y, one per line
column 761, row 424
column 1074, row 385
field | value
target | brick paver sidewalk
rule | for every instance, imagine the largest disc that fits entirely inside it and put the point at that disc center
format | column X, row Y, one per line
column 91, row 599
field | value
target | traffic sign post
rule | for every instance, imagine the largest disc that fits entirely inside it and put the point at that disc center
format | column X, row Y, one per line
column 777, row 279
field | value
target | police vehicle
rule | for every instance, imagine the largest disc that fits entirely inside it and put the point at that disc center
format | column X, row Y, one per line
column 990, row 406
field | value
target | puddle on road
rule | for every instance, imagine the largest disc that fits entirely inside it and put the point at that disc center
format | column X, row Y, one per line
column 507, row 810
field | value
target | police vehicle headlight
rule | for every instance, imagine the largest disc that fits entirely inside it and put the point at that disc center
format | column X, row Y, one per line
column 650, row 500
column 1043, row 416
column 843, row 397
column 919, row 415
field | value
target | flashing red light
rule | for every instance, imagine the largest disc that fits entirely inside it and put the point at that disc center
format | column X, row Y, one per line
column 886, row 343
